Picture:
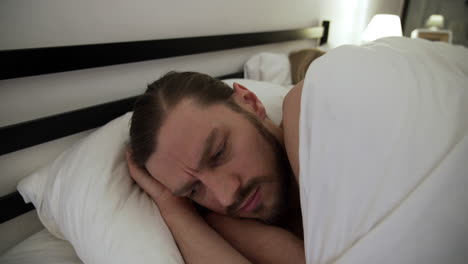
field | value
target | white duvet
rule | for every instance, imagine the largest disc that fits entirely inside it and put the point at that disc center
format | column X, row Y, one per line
column 384, row 154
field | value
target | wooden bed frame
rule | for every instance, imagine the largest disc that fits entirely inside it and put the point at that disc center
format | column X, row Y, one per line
column 29, row 62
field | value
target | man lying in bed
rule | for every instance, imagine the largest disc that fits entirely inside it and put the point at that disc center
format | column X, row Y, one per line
column 193, row 138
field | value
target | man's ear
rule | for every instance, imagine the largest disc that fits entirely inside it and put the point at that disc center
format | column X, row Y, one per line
column 247, row 99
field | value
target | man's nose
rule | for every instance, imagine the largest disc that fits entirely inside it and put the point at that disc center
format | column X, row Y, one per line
column 223, row 187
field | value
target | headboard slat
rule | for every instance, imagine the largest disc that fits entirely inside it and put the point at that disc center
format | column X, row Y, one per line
column 28, row 62
column 12, row 206
column 19, row 136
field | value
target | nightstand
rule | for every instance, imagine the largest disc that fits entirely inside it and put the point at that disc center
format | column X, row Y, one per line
column 433, row 35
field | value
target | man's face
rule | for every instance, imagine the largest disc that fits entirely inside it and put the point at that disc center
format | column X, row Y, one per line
column 220, row 159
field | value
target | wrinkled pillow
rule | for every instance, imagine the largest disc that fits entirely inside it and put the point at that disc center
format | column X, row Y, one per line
column 87, row 197
column 269, row 67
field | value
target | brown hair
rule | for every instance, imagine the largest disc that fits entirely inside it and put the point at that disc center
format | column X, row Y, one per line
column 300, row 62
column 151, row 108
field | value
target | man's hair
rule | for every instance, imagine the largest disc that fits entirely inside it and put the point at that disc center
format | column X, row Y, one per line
column 152, row 108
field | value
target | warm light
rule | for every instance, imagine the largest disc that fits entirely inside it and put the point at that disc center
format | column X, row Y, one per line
column 435, row 22
column 382, row 26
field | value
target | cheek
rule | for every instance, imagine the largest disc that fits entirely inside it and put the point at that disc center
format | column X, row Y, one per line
column 207, row 201
column 253, row 156
column 271, row 193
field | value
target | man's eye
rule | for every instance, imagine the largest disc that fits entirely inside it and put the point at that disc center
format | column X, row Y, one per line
column 219, row 154
column 194, row 190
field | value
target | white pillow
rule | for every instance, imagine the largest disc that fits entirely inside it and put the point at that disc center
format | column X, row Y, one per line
column 269, row 67
column 87, row 197
column 41, row 248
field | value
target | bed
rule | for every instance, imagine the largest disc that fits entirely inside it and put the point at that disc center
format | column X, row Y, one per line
column 383, row 147
column 46, row 137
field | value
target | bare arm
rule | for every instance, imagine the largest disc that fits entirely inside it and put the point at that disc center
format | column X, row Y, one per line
column 196, row 240
column 291, row 113
column 259, row 242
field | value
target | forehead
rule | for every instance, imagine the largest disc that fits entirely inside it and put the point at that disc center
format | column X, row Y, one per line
column 187, row 126
column 180, row 140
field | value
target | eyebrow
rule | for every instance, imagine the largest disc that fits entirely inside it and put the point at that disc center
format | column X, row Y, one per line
column 207, row 147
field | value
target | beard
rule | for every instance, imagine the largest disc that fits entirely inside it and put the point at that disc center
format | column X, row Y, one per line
column 276, row 214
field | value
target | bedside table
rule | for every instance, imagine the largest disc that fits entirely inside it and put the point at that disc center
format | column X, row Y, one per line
column 433, row 35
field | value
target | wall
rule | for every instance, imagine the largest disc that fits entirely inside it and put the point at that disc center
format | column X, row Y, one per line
column 350, row 17
column 455, row 14
column 39, row 23
column 42, row 23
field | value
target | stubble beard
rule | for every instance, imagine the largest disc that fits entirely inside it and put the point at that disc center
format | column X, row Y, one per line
column 276, row 214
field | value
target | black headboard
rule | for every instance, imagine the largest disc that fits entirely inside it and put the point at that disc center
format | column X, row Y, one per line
column 28, row 62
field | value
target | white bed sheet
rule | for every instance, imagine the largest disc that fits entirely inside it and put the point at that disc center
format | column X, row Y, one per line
column 41, row 248
column 383, row 154
column 431, row 226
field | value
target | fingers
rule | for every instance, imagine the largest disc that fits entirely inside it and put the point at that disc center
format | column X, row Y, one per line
column 132, row 167
column 131, row 164
column 143, row 179
column 165, row 200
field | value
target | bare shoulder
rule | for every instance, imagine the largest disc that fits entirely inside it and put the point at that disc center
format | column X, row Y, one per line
column 291, row 114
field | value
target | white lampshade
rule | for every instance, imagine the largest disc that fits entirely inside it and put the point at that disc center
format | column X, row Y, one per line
column 435, row 22
column 382, row 26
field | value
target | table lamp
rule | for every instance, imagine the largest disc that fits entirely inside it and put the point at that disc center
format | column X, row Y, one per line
column 382, row 25
column 435, row 22
column 433, row 30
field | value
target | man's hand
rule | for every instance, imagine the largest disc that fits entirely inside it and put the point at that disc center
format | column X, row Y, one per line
column 158, row 192
column 197, row 241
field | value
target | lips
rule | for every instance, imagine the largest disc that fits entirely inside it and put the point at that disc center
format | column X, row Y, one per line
column 252, row 201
